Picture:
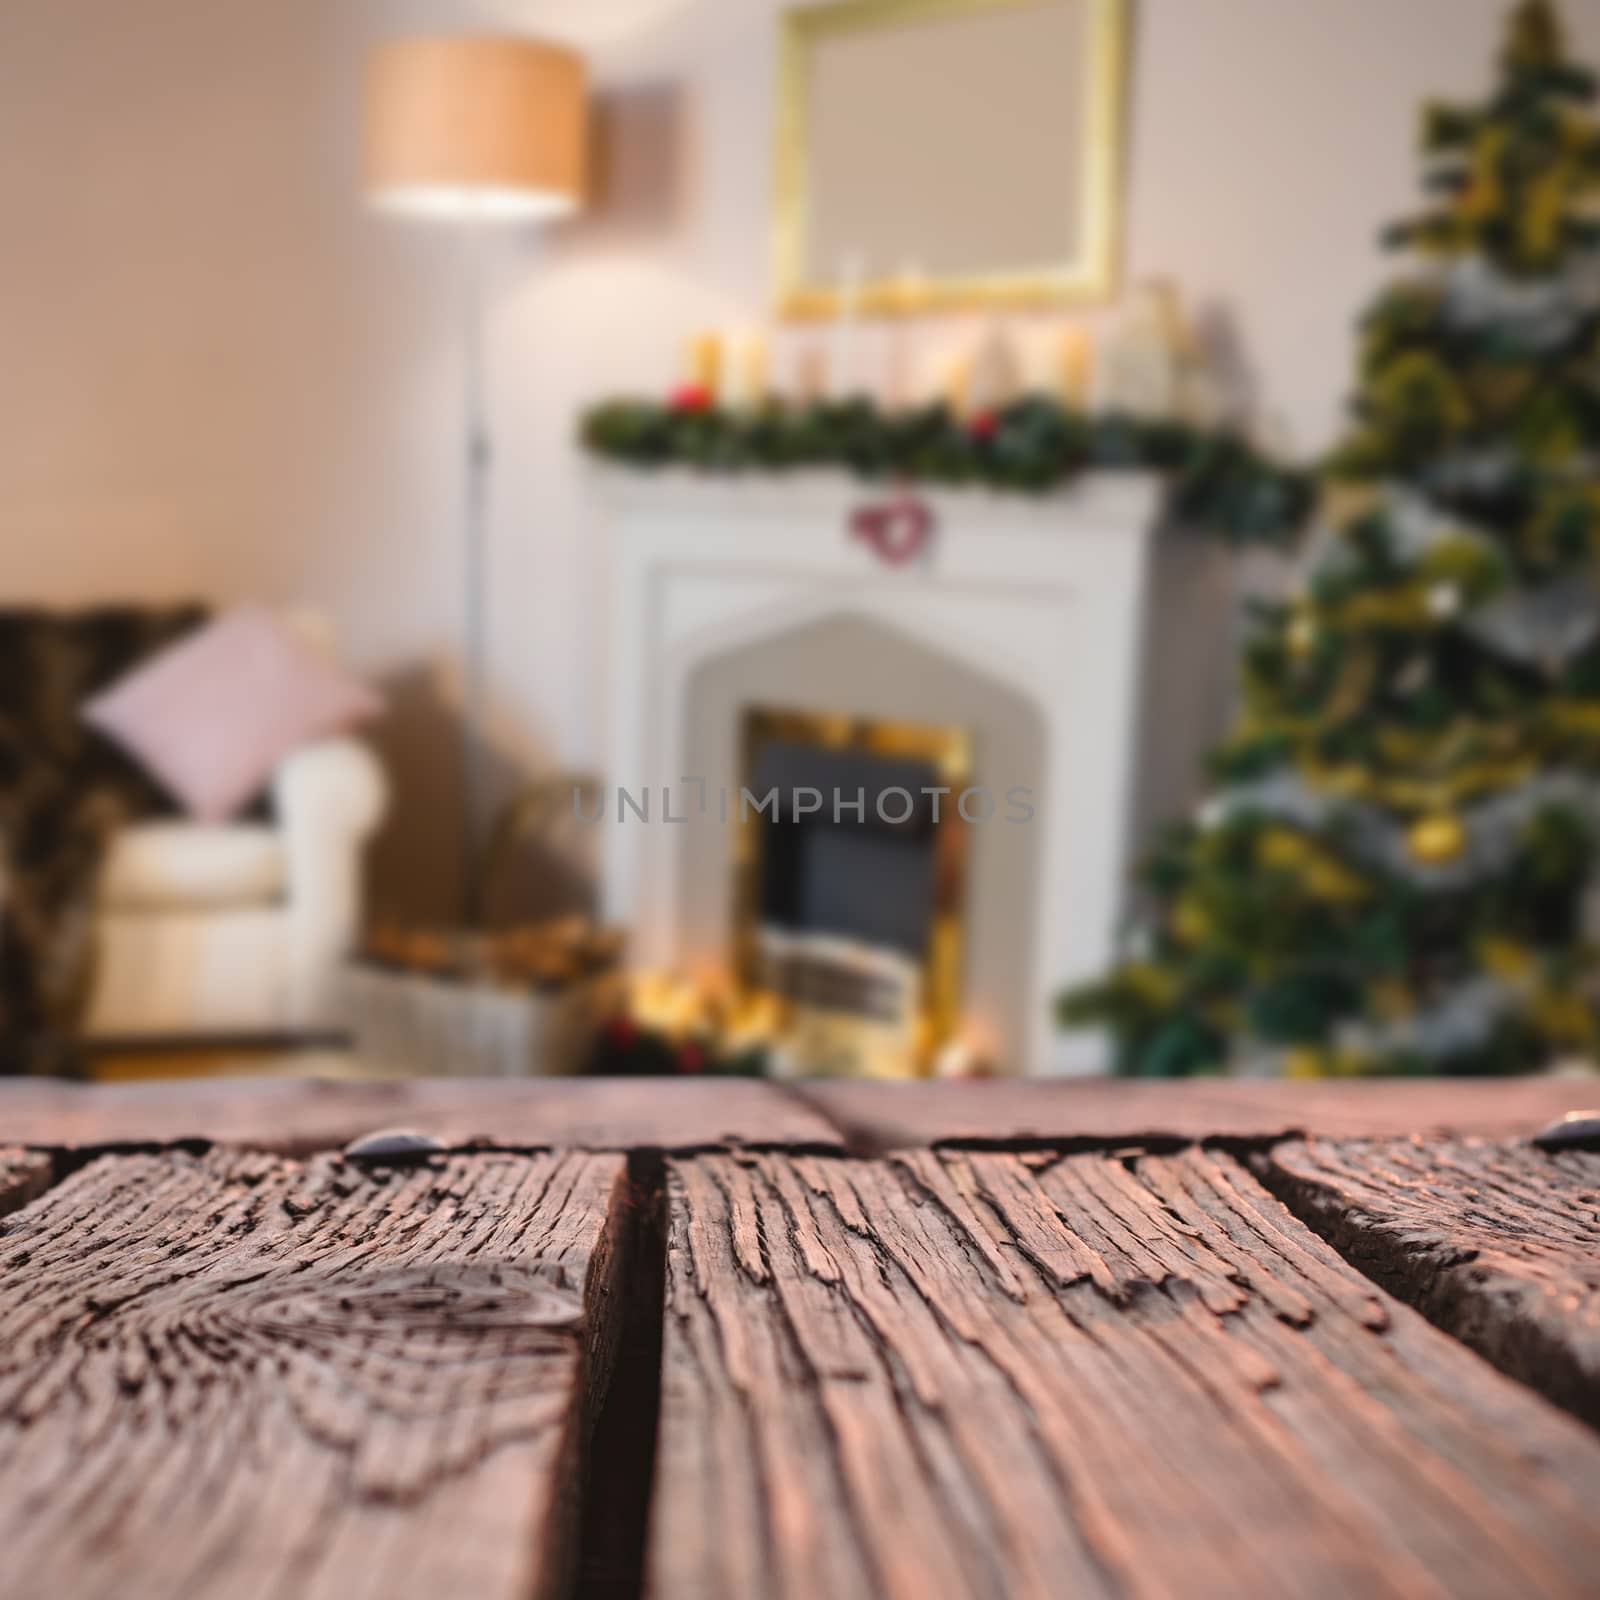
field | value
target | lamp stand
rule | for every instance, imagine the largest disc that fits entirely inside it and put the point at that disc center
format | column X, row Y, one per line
column 489, row 130
column 479, row 463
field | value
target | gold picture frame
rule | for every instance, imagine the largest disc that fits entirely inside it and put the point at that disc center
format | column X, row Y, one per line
column 1088, row 274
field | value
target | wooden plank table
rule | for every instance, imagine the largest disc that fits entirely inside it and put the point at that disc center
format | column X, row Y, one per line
column 24, row 1175
column 298, row 1116
column 734, row 1339
column 889, row 1116
column 1499, row 1246
column 235, row 1374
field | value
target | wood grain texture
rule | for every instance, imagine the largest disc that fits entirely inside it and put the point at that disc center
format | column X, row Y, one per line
column 234, row 1375
column 24, row 1175
column 1493, row 1240
column 301, row 1116
column 880, row 1117
column 993, row 1374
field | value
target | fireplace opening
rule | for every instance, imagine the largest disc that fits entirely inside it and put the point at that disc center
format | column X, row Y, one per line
column 849, row 886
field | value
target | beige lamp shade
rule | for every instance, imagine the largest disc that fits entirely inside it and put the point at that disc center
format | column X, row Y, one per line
column 472, row 127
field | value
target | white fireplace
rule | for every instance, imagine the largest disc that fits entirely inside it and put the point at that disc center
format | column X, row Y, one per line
column 1078, row 647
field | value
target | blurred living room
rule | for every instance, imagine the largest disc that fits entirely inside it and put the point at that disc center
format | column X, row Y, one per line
column 892, row 539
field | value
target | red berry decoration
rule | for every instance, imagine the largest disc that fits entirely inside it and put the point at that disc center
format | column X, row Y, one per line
column 690, row 399
column 691, row 1058
column 985, row 425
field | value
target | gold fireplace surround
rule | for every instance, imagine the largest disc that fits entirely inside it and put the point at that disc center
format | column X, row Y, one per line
column 948, row 752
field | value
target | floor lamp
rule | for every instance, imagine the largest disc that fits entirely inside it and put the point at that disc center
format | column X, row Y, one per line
column 478, row 131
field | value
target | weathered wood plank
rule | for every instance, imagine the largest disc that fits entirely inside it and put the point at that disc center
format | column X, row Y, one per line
column 880, row 1117
column 235, row 1375
column 24, row 1175
column 300, row 1116
column 1495, row 1241
column 960, row 1373
column 296, row 1116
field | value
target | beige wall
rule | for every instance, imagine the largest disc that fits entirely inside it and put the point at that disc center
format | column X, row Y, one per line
column 218, row 374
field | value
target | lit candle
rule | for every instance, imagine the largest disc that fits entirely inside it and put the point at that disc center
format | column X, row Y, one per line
column 811, row 374
column 957, row 385
column 703, row 359
column 852, row 272
column 1073, row 368
column 749, row 374
column 899, row 388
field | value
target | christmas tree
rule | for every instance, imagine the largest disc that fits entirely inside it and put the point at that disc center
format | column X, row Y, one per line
column 1392, row 872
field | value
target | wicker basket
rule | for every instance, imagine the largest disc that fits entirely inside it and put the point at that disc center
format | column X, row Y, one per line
column 441, row 1026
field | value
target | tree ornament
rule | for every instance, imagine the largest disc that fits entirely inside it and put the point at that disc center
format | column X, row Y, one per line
column 1443, row 601
column 1438, row 840
column 1543, row 626
column 1192, row 922
column 1414, row 676
column 1305, row 1062
column 1302, row 635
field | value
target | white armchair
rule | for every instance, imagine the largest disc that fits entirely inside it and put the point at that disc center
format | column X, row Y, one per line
column 237, row 928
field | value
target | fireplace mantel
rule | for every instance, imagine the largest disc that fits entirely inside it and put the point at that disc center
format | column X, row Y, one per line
column 1045, row 598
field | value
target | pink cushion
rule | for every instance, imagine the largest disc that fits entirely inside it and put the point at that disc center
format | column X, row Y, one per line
column 211, row 716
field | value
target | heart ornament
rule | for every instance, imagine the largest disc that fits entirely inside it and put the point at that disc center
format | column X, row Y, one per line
column 898, row 528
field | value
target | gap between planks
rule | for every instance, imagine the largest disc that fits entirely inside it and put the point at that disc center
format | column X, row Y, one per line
column 1496, row 1242
column 24, row 1176
column 615, row 1508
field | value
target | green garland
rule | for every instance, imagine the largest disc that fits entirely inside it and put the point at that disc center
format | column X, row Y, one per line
column 1216, row 481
